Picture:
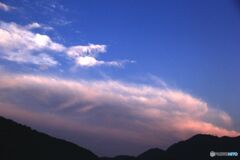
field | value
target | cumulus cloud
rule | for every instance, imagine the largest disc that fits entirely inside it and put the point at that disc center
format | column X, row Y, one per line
column 85, row 56
column 23, row 46
column 130, row 113
column 20, row 44
column 88, row 61
column 5, row 7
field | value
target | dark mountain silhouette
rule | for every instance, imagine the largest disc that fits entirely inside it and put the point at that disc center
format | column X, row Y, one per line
column 122, row 157
column 199, row 147
column 154, row 154
column 18, row 142
column 196, row 148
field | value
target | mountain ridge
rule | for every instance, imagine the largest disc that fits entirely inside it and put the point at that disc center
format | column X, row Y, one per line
column 18, row 141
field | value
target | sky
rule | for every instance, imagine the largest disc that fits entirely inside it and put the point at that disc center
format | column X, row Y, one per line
column 120, row 77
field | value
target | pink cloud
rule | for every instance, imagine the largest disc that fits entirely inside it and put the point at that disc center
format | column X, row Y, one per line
column 126, row 113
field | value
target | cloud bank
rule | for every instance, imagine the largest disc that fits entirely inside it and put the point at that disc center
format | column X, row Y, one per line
column 20, row 44
column 126, row 113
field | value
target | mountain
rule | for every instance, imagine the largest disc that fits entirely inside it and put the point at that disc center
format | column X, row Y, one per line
column 199, row 147
column 153, row 154
column 121, row 157
column 18, row 142
column 196, row 148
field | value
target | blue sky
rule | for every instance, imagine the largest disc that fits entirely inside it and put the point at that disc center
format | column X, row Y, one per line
column 187, row 47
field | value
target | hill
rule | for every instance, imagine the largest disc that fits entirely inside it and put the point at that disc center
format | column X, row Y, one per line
column 19, row 142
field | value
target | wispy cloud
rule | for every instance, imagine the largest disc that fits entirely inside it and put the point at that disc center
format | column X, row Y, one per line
column 61, row 21
column 140, row 113
column 91, row 50
column 20, row 44
column 5, row 7
column 36, row 25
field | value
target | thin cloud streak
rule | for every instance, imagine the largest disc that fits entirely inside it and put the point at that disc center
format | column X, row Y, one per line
column 6, row 7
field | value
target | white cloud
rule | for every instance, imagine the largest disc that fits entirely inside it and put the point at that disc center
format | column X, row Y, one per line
column 33, row 25
column 140, row 113
column 90, row 50
column 43, row 60
column 16, row 41
column 5, row 7
column 21, row 44
column 85, row 56
column 87, row 61
column 36, row 25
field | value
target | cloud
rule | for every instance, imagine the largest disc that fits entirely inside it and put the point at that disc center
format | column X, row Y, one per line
column 5, row 7
column 23, row 46
column 88, row 61
column 126, row 113
column 18, row 38
column 42, row 59
column 20, row 44
column 36, row 25
column 91, row 50
column 61, row 21
column 85, row 56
